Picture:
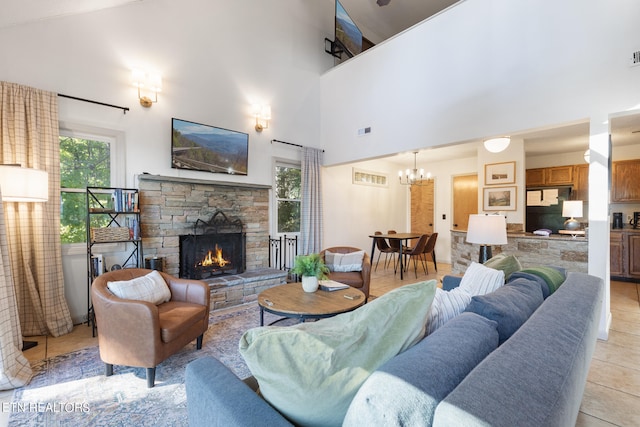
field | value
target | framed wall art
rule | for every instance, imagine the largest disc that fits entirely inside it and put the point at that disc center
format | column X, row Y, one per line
column 499, row 198
column 500, row 173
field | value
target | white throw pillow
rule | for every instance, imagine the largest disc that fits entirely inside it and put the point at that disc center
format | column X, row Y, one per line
column 447, row 305
column 344, row 262
column 151, row 288
column 480, row 280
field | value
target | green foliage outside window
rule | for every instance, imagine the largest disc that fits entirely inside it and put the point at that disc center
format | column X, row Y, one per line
column 288, row 198
column 83, row 163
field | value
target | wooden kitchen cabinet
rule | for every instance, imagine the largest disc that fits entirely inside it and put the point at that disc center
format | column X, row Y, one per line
column 548, row 177
column 625, row 185
column 634, row 255
column 581, row 182
column 535, row 177
column 624, row 249
column 559, row 175
column 616, row 253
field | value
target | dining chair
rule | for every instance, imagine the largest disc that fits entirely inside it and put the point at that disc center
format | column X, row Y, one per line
column 430, row 248
column 417, row 253
column 384, row 248
column 395, row 245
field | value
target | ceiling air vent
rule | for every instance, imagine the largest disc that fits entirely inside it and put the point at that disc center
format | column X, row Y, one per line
column 635, row 58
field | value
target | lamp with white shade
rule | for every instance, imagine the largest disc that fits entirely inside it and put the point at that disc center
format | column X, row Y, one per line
column 487, row 230
column 20, row 184
column 23, row 184
column 572, row 209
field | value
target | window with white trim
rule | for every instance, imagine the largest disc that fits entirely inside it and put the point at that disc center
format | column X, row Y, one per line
column 85, row 160
column 287, row 198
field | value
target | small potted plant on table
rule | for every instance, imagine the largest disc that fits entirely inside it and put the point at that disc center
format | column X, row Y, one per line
column 311, row 268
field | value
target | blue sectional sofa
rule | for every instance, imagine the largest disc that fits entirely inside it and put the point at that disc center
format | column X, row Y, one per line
column 486, row 367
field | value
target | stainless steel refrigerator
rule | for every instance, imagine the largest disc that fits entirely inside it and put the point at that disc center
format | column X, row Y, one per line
column 544, row 208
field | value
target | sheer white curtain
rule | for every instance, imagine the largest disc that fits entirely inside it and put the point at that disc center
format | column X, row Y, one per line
column 29, row 136
column 15, row 370
column 311, row 207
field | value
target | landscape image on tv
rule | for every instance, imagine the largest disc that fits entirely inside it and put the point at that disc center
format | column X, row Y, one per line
column 347, row 33
column 206, row 148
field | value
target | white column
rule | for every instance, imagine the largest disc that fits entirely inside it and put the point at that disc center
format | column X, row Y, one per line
column 599, row 224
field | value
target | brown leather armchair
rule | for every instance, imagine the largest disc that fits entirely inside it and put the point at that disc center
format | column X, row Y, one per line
column 356, row 279
column 141, row 334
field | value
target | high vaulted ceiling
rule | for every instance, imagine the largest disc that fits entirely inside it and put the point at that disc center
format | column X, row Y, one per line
column 378, row 23
column 15, row 12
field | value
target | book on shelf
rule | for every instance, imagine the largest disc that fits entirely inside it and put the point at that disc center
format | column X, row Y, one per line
column 331, row 285
column 125, row 201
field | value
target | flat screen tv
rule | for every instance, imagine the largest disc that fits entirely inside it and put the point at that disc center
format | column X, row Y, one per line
column 207, row 148
column 348, row 35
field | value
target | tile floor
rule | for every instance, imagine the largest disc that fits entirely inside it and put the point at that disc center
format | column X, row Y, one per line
column 612, row 394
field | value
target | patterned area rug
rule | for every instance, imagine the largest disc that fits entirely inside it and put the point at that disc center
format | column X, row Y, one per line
column 72, row 390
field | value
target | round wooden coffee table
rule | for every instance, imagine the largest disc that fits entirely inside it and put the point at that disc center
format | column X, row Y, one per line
column 290, row 301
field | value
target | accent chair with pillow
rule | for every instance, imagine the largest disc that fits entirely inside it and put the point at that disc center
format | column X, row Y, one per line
column 348, row 265
column 144, row 316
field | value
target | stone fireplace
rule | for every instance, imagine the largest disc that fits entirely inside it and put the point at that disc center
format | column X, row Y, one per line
column 173, row 207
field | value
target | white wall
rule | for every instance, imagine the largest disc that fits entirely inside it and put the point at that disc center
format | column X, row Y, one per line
column 487, row 68
column 352, row 212
column 216, row 59
column 483, row 68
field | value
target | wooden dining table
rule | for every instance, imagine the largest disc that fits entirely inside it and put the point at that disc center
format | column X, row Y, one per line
column 402, row 238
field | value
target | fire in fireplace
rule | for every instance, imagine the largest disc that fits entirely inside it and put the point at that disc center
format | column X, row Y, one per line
column 218, row 249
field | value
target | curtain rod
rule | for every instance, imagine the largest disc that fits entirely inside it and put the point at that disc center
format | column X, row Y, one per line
column 288, row 143
column 124, row 109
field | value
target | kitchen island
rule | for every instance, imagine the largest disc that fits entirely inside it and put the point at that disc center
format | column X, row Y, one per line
column 530, row 249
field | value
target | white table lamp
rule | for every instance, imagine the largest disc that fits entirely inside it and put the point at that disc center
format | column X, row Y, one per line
column 572, row 209
column 487, row 230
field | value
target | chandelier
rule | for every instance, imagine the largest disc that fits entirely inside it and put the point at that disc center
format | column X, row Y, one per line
column 415, row 176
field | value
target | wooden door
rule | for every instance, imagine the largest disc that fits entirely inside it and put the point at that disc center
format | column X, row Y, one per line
column 422, row 208
column 465, row 200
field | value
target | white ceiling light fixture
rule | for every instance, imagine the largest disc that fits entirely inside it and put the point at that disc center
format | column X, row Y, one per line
column 496, row 145
column 587, row 155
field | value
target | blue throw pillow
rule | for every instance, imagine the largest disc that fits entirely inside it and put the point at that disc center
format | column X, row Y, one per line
column 407, row 389
column 510, row 305
column 530, row 276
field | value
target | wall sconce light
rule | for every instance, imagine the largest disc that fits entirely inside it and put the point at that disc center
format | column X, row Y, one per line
column 262, row 114
column 153, row 83
column 496, row 145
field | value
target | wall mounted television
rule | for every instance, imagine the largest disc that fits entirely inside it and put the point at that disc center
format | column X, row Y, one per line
column 348, row 35
column 199, row 147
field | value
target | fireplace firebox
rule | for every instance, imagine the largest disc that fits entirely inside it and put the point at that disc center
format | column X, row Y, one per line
column 216, row 247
